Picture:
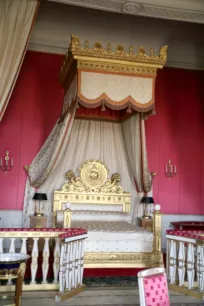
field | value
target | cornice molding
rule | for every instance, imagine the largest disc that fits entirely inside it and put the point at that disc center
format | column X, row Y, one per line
column 62, row 51
column 181, row 10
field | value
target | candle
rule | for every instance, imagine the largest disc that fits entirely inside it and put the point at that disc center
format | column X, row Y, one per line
column 175, row 169
column 0, row 162
column 12, row 162
column 166, row 170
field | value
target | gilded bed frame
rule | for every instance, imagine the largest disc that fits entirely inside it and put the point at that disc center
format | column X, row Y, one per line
column 93, row 186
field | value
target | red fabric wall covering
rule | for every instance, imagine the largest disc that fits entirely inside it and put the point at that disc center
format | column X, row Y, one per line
column 175, row 132
column 34, row 107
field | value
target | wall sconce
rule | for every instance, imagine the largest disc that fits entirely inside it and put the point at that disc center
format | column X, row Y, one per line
column 6, row 163
column 170, row 169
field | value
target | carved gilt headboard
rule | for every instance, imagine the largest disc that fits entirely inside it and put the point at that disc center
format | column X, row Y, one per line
column 92, row 186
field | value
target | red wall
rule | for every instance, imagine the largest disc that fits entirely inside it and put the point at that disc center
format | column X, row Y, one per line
column 175, row 132
column 33, row 109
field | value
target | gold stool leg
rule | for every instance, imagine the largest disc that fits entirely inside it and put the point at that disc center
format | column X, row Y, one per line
column 19, row 284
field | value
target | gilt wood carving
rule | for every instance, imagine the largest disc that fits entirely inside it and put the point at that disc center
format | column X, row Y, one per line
column 92, row 186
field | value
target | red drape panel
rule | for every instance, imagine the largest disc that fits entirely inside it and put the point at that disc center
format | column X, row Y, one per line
column 98, row 113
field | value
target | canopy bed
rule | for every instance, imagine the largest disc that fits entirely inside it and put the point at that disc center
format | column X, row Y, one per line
column 100, row 205
column 108, row 94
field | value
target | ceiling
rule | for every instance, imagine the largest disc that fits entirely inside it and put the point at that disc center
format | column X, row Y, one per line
column 118, row 22
column 180, row 10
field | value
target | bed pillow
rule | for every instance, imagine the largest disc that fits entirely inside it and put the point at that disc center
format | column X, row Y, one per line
column 97, row 207
column 94, row 215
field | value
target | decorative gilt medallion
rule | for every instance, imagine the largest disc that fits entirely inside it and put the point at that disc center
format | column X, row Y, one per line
column 93, row 177
column 93, row 174
column 92, row 186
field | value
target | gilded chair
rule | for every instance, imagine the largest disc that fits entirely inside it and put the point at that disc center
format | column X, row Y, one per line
column 153, row 288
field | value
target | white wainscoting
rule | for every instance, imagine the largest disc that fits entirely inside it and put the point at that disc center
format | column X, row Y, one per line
column 13, row 219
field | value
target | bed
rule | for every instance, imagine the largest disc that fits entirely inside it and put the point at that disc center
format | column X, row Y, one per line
column 100, row 205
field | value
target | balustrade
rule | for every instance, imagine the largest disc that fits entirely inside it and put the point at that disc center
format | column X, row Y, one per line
column 62, row 246
column 71, row 265
column 185, row 262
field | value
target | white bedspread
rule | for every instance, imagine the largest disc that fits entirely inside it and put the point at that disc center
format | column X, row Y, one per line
column 115, row 236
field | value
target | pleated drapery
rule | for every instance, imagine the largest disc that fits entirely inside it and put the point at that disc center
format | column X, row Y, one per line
column 16, row 20
column 85, row 140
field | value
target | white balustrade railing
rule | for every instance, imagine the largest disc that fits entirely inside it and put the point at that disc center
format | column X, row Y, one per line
column 63, row 246
column 185, row 261
column 71, row 265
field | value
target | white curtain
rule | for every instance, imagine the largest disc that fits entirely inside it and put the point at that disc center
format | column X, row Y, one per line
column 89, row 139
column 53, row 148
column 16, row 20
column 51, row 153
column 135, row 144
column 85, row 140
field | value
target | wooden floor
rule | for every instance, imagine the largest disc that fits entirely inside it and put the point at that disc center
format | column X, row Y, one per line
column 100, row 296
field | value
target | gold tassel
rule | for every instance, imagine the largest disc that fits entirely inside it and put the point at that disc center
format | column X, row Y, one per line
column 129, row 110
column 103, row 108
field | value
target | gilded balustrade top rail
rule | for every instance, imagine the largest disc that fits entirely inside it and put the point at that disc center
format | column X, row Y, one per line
column 196, row 234
column 41, row 232
column 192, row 236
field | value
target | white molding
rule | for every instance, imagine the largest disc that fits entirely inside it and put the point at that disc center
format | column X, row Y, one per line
column 47, row 49
column 56, row 22
column 183, row 10
column 11, row 218
column 62, row 51
column 181, row 238
column 188, row 66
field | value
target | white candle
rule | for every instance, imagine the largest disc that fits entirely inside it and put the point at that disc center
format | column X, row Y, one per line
column 166, row 170
column 175, row 169
column 0, row 162
column 12, row 162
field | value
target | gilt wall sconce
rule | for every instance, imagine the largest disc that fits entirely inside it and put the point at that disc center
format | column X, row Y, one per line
column 6, row 163
column 170, row 169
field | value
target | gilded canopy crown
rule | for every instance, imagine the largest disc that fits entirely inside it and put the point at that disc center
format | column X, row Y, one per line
column 114, row 79
column 119, row 54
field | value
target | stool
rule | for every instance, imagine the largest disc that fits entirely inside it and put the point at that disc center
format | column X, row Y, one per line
column 13, row 266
